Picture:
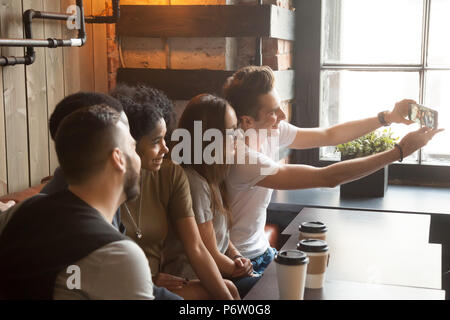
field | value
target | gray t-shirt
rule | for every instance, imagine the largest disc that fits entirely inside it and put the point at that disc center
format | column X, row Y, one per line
column 175, row 259
column 116, row 271
column 201, row 204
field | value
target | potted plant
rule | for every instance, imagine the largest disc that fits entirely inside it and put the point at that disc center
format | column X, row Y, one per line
column 375, row 184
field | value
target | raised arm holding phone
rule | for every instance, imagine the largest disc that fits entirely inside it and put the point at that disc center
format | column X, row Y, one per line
column 252, row 94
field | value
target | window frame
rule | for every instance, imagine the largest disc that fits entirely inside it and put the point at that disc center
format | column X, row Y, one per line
column 306, row 108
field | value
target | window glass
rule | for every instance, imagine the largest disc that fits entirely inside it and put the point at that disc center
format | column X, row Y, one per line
column 373, row 31
column 437, row 96
column 438, row 42
column 353, row 95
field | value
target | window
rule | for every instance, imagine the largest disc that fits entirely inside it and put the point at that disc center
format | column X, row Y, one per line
column 374, row 53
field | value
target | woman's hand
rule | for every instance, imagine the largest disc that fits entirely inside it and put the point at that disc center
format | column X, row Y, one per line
column 242, row 268
column 417, row 139
column 169, row 281
column 400, row 112
column 6, row 206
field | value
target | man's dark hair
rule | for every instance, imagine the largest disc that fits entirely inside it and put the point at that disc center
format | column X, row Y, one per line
column 245, row 86
column 77, row 101
column 84, row 141
column 144, row 107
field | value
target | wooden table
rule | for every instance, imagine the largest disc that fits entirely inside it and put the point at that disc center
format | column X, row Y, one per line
column 411, row 199
column 373, row 256
column 366, row 225
column 267, row 289
column 414, row 266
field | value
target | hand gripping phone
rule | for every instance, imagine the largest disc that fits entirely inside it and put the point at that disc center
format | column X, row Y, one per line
column 424, row 116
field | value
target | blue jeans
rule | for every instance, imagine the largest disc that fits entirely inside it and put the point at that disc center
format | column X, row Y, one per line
column 260, row 263
column 245, row 284
column 162, row 293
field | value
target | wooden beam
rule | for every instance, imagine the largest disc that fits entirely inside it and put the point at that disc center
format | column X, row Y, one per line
column 282, row 23
column 185, row 84
column 206, row 21
column 285, row 84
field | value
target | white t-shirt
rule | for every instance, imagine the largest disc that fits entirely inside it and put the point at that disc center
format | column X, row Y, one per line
column 116, row 271
column 249, row 202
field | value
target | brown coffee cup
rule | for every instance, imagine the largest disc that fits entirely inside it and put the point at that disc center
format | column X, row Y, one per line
column 312, row 230
column 318, row 254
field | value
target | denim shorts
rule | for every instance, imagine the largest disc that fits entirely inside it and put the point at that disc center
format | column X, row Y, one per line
column 161, row 293
column 260, row 263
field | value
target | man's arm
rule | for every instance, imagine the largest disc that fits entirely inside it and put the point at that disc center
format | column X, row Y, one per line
column 225, row 264
column 302, row 176
column 116, row 271
column 340, row 133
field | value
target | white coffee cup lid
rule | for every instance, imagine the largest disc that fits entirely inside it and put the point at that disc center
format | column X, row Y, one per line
column 291, row 257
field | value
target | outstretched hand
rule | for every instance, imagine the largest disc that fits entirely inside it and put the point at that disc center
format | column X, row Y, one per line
column 417, row 139
column 6, row 206
column 400, row 112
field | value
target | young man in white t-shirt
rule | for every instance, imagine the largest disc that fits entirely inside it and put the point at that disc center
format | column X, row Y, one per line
column 257, row 104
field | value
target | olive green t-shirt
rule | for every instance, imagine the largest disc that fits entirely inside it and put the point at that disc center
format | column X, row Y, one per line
column 165, row 197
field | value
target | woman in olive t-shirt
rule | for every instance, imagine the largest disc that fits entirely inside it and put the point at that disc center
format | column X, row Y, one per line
column 164, row 206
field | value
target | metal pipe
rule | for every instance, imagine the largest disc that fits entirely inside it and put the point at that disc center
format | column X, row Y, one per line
column 30, row 43
column 82, row 31
column 108, row 19
column 11, row 61
column 49, row 43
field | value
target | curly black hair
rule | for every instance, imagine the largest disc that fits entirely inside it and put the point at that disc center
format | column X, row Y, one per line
column 144, row 107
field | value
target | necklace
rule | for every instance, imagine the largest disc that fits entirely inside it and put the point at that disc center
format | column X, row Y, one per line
column 138, row 231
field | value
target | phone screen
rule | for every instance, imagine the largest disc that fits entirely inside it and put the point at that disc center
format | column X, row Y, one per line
column 424, row 116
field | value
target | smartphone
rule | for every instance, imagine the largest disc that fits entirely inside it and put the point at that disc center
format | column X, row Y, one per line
column 425, row 116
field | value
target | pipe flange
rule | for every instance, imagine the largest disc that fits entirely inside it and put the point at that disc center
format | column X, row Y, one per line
column 52, row 43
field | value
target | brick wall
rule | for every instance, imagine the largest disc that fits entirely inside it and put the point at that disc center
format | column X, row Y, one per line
column 195, row 53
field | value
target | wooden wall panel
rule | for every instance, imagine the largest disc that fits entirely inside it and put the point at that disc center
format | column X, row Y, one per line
column 15, row 102
column 54, row 72
column 37, row 103
column 100, row 49
column 29, row 94
column 86, row 54
column 3, row 167
column 71, row 57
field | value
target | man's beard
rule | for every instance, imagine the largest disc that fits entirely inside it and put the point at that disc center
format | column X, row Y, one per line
column 131, row 185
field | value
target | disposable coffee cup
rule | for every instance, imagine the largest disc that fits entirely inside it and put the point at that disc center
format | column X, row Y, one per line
column 318, row 253
column 312, row 230
column 291, row 268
